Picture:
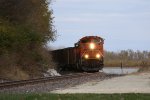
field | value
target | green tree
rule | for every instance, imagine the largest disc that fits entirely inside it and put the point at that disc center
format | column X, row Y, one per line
column 25, row 28
column 33, row 14
column 127, row 57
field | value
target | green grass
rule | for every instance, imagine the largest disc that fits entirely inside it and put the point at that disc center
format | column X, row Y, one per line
column 131, row 96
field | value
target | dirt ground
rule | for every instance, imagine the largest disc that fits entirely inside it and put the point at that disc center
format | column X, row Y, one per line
column 133, row 83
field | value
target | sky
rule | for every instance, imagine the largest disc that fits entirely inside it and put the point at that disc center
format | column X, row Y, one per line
column 124, row 24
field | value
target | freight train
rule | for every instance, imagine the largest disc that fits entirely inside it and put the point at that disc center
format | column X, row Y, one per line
column 86, row 55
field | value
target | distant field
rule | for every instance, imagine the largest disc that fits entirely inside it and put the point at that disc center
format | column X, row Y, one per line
column 130, row 96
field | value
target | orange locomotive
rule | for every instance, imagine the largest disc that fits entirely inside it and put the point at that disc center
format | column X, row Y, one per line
column 86, row 55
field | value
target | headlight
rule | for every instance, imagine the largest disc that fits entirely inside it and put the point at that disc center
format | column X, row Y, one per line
column 98, row 56
column 86, row 56
column 92, row 46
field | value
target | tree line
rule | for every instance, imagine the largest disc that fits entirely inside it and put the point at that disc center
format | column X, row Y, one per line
column 127, row 58
column 25, row 28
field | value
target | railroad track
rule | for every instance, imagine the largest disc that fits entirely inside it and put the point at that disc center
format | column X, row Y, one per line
column 41, row 80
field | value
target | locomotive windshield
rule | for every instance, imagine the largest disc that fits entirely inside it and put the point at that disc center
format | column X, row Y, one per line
column 85, row 41
column 96, row 40
column 91, row 40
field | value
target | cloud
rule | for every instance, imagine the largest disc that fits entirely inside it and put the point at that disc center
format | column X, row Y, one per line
column 126, row 21
column 102, row 1
column 98, row 0
column 96, row 17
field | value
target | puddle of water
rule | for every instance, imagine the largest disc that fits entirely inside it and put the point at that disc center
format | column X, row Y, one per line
column 118, row 70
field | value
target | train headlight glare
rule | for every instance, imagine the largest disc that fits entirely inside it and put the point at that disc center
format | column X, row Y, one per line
column 86, row 56
column 92, row 46
column 98, row 56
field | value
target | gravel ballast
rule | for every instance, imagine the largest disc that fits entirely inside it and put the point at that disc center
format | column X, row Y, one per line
column 61, row 84
column 134, row 83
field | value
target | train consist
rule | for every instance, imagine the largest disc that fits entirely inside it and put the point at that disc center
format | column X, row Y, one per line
column 86, row 55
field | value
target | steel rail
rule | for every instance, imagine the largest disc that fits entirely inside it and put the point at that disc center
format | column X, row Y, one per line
column 41, row 80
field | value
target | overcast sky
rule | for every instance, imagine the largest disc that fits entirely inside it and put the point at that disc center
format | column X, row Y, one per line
column 124, row 24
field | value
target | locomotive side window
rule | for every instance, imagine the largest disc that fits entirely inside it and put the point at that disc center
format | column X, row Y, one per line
column 76, row 44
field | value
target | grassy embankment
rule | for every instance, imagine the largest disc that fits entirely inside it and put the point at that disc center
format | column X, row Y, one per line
column 131, row 96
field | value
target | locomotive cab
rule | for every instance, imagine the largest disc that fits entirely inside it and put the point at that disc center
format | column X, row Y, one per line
column 91, row 53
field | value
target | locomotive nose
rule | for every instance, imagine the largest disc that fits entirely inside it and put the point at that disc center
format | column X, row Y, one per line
column 98, row 56
column 92, row 56
column 92, row 46
column 86, row 56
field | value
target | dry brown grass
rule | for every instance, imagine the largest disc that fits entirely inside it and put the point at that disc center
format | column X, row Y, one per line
column 144, row 69
column 25, row 65
column 14, row 73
